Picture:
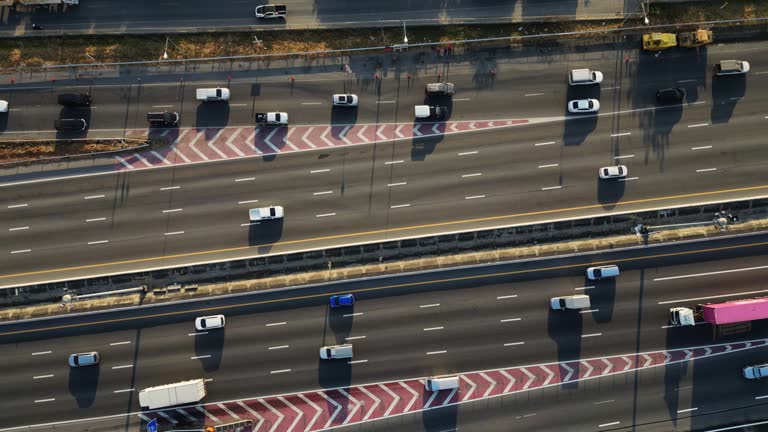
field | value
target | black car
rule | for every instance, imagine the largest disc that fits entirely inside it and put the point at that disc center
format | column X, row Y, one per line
column 70, row 125
column 75, row 99
column 670, row 95
column 166, row 118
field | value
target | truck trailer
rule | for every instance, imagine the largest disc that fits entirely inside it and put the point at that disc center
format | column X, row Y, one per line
column 716, row 314
column 179, row 393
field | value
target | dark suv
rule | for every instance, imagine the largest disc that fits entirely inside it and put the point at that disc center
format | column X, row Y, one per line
column 75, row 99
column 670, row 95
column 166, row 118
column 70, row 125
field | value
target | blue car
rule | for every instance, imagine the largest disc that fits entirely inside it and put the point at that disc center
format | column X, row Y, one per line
column 342, row 300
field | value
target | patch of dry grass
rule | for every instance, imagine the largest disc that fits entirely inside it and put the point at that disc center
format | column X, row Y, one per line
column 712, row 10
column 26, row 151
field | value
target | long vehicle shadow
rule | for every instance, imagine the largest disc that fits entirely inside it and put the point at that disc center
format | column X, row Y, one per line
column 565, row 328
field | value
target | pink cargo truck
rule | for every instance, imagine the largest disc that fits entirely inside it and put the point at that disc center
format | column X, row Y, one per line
column 732, row 312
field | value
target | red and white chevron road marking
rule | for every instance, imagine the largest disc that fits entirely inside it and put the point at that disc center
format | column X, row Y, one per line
column 209, row 144
column 322, row 409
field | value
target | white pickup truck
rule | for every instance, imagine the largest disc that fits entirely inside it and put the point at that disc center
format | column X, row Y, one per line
column 213, row 94
column 265, row 213
column 272, row 118
column 271, row 11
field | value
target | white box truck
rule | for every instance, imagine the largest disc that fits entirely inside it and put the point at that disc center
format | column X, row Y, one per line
column 179, row 393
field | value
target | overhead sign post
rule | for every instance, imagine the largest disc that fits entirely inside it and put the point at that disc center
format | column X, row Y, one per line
column 152, row 425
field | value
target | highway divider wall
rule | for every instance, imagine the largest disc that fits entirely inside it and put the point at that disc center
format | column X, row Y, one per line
column 381, row 258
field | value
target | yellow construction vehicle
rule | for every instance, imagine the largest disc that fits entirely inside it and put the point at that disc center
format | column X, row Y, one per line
column 659, row 41
column 695, row 38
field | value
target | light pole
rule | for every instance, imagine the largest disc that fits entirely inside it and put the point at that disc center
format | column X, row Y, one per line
column 645, row 13
column 165, row 53
column 98, row 63
column 405, row 35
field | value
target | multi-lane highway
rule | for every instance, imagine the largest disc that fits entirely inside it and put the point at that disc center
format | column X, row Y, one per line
column 144, row 16
column 710, row 149
column 412, row 326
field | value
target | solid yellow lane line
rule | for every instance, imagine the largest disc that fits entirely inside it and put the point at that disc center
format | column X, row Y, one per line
column 380, row 231
column 382, row 288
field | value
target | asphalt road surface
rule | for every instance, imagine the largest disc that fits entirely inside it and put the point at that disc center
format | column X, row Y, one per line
column 466, row 315
column 144, row 16
column 708, row 150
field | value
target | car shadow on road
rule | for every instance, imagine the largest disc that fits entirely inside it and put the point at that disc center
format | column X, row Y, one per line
column 264, row 234
column 565, row 329
column 346, row 116
column 83, row 383
column 209, row 349
column 211, row 117
column 336, row 373
column 440, row 419
column 609, row 192
column 727, row 91
column 602, row 297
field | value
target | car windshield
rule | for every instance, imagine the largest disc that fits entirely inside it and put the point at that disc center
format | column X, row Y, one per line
column 272, row 211
column 598, row 273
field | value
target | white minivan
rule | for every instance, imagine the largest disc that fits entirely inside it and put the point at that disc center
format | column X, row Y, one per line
column 602, row 272
column 577, row 301
column 441, row 383
column 336, row 352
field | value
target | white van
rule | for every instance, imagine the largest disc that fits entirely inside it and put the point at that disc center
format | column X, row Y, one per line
column 336, row 352
column 578, row 301
column 601, row 272
column 584, row 77
column 441, row 383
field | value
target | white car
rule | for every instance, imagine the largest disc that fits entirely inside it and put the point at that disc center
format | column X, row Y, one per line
column 209, row 322
column 266, row 213
column 3, row 106
column 613, row 172
column 755, row 372
column 584, row 106
column 349, row 100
